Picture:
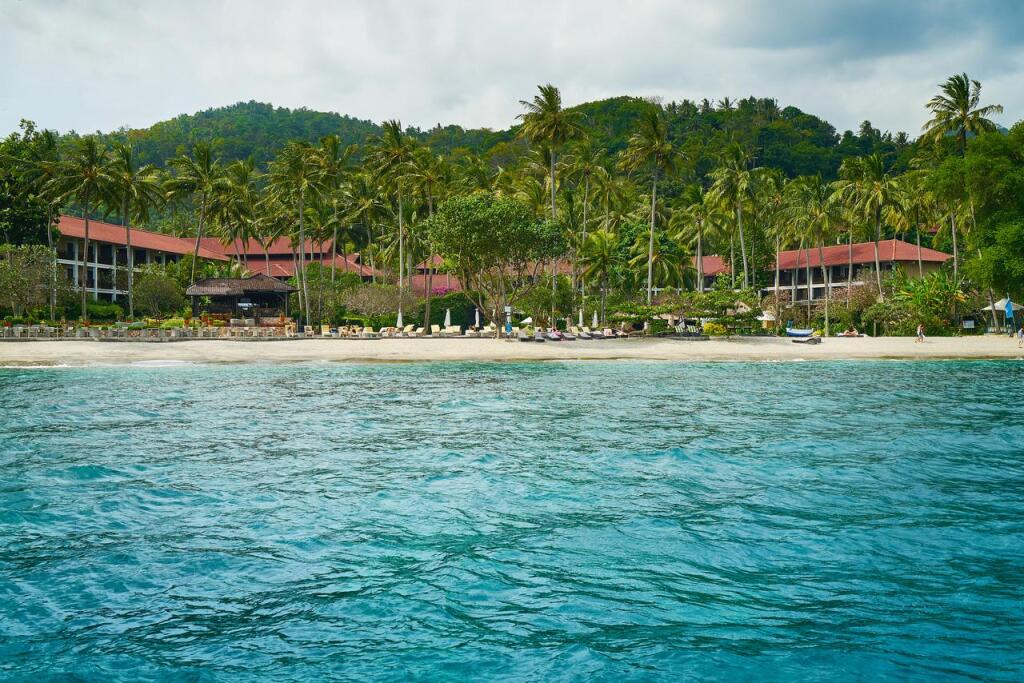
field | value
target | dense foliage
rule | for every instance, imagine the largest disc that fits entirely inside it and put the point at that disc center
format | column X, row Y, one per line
column 601, row 208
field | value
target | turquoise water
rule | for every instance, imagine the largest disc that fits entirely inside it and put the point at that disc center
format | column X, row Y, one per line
column 546, row 521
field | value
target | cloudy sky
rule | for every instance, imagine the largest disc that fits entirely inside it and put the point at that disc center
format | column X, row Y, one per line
column 99, row 65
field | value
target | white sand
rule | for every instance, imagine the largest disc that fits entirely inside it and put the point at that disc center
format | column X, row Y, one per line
column 86, row 352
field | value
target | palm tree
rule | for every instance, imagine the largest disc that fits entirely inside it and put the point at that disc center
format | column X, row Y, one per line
column 363, row 205
column 955, row 112
column 429, row 174
column 547, row 124
column 295, row 175
column 234, row 205
column 811, row 212
column 584, row 164
column 390, row 154
column 693, row 222
column 599, row 257
column 83, row 176
column 134, row 190
column 868, row 190
column 334, row 160
column 649, row 148
column 199, row 176
column 44, row 163
column 734, row 185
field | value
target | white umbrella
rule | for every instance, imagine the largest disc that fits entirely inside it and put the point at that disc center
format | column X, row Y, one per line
column 527, row 321
column 398, row 323
column 1001, row 306
column 447, row 317
column 581, row 317
column 595, row 318
column 477, row 311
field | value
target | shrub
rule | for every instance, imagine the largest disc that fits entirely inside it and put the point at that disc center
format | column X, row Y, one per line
column 104, row 312
column 713, row 329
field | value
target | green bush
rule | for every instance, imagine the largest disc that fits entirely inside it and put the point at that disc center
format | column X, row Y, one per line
column 713, row 329
column 100, row 311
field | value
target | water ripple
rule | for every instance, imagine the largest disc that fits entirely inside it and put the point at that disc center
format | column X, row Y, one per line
column 523, row 521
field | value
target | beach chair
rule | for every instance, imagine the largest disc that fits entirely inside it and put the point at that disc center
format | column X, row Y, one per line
column 435, row 330
column 409, row 331
column 580, row 334
column 307, row 330
column 452, row 331
column 608, row 333
column 368, row 333
column 470, row 332
column 325, row 330
column 417, row 333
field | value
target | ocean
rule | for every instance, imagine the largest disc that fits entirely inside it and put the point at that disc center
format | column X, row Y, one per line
column 550, row 521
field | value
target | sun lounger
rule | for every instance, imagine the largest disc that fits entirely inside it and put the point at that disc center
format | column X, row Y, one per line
column 417, row 333
column 538, row 335
column 368, row 333
column 307, row 330
column 521, row 335
column 553, row 335
column 409, row 331
column 579, row 334
column 452, row 331
column 435, row 330
column 568, row 336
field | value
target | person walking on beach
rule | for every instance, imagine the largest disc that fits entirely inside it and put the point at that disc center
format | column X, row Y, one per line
column 920, row 334
column 1020, row 336
column 1009, row 314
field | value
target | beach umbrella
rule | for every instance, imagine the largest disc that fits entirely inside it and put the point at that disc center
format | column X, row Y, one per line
column 581, row 318
column 527, row 321
column 594, row 324
column 398, row 323
column 477, row 312
column 447, row 317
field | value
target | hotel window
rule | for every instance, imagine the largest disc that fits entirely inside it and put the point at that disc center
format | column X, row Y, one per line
column 140, row 256
column 71, row 274
column 106, row 278
column 69, row 251
column 106, row 254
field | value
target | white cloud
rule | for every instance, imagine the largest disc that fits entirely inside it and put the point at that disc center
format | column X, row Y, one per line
column 101, row 65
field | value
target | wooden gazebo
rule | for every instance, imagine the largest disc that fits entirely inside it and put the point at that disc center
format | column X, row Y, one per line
column 254, row 295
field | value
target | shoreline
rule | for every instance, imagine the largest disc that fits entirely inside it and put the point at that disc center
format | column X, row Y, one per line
column 85, row 352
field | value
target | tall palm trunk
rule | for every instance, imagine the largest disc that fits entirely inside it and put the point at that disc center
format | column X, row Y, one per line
column 700, row 255
column 796, row 274
column 266, row 256
column 554, row 262
column 401, row 254
column 778, row 308
column 199, row 236
column 334, row 247
column 430, row 268
column 129, row 261
column 743, row 247
column 920, row 264
column 810, row 284
column 298, row 280
column 302, row 257
column 650, row 243
column 732, row 260
column 849, row 268
column 583, row 244
column 956, row 252
column 825, row 276
column 84, row 281
column 878, row 262
column 53, row 263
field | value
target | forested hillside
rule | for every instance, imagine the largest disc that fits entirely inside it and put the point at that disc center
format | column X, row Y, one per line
column 788, row 139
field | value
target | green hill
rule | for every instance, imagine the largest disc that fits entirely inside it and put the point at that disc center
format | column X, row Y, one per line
column 788, row 139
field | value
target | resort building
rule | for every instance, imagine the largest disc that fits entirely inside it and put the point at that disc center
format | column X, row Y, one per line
column 793, row 266
column 279, row 260
column 108, row 254
column 255, row 296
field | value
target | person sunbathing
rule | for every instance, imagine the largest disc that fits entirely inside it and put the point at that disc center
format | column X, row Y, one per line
column 851, row 332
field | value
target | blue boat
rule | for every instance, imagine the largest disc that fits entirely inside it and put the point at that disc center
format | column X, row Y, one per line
column 794, row 332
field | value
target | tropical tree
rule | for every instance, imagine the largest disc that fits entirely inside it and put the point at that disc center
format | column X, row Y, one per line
column 956, row 112
column 294, row 176
column 430, row 175
column 133, row 190
column 548, row 125
column 868, row 190
column 83, row 176
column 734, row 186
column 199, row 177
column 600, row 256
column 811, row 212
column 390, row 154
column 650, row 149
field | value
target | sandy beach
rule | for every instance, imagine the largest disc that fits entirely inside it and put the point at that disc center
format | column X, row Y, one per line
column 87, row 352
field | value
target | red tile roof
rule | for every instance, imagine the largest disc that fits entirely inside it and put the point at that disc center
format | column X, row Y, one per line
column 863, row 253
column 280, row 246
column 713, row 265
column 74, row 227
column 286, row 267
column 418, row 283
